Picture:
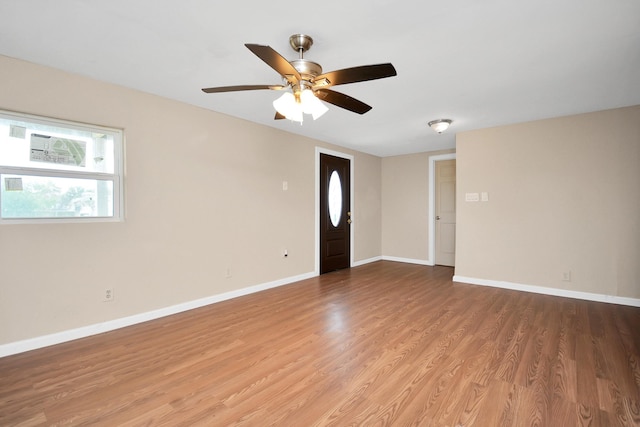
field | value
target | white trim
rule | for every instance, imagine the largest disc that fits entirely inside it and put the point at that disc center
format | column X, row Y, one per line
column 98, row 328
column 634, row 302
column 366, row 261
column 432, row 204
column 321, row 150
column 407, row 260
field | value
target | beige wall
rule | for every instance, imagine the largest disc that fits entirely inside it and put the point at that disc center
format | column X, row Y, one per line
column 203, row 194
column 405, row 194
column 564, row 195
column 405, row 207
column 367, row 219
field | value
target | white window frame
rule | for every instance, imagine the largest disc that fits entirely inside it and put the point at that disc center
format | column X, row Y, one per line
column 116, row 177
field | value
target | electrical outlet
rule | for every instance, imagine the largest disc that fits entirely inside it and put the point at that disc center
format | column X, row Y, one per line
column 108, row 295
column 228, row 273
column 566, row 276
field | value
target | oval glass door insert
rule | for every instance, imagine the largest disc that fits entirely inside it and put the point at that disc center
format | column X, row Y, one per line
column 335, row 198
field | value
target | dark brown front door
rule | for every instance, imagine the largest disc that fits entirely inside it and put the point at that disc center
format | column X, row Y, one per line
column 335, row 213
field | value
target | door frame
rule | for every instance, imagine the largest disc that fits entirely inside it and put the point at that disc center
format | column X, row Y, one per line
column 432, row 203
column 321, row 150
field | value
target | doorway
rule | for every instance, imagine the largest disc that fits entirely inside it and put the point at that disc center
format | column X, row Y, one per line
column 445, row 210
column 335, row 216
column 433, row 191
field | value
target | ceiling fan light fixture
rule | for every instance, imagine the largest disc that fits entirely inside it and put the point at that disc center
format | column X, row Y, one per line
column 288, row 107
column 312, row 105
column 292, row 109
column 440, row 125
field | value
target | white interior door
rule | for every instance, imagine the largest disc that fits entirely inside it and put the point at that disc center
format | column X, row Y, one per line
column 445, row 210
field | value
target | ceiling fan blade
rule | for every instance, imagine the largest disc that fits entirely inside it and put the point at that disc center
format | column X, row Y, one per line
column 343, row 101
column 275, row 61
column 356, row 74
column 241, row 87
column 279, row 116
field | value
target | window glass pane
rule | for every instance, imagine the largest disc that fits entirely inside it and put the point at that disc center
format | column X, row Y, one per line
column 52, row 169
column 25, row 196
column 335, row 198
column 40, row 145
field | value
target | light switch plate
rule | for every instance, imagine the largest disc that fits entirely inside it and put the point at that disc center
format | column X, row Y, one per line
column 471, row 197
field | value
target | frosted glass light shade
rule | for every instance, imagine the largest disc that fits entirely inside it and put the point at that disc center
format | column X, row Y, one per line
column 440, row 125
column 288, row 107
column 311, row 104
column 292, row 110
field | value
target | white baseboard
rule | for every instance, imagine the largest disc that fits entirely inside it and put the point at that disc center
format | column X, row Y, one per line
column 366, row 261
column 98, row 328
column 408, row 260
column 612, row 299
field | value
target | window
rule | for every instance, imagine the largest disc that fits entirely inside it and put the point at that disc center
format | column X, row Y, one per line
column 58, row 171
column 335, row 198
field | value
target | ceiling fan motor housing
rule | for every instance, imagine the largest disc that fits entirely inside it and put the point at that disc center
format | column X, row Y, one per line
column 308, row 69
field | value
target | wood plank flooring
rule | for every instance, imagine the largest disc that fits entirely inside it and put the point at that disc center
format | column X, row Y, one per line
column 383, row 344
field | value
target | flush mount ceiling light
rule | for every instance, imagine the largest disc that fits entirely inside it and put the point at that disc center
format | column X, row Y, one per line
column 306, row 84
column 440, row 125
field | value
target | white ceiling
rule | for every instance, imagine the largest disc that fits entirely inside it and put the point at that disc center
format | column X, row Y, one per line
column 479, row 63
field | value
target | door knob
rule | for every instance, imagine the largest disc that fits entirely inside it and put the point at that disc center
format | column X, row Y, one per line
column 349, row 221
column 438, row 217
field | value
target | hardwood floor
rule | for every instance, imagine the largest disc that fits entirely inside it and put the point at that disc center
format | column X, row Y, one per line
column 381, row 344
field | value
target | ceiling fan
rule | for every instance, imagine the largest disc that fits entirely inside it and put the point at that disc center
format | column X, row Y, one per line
column 308, row 83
